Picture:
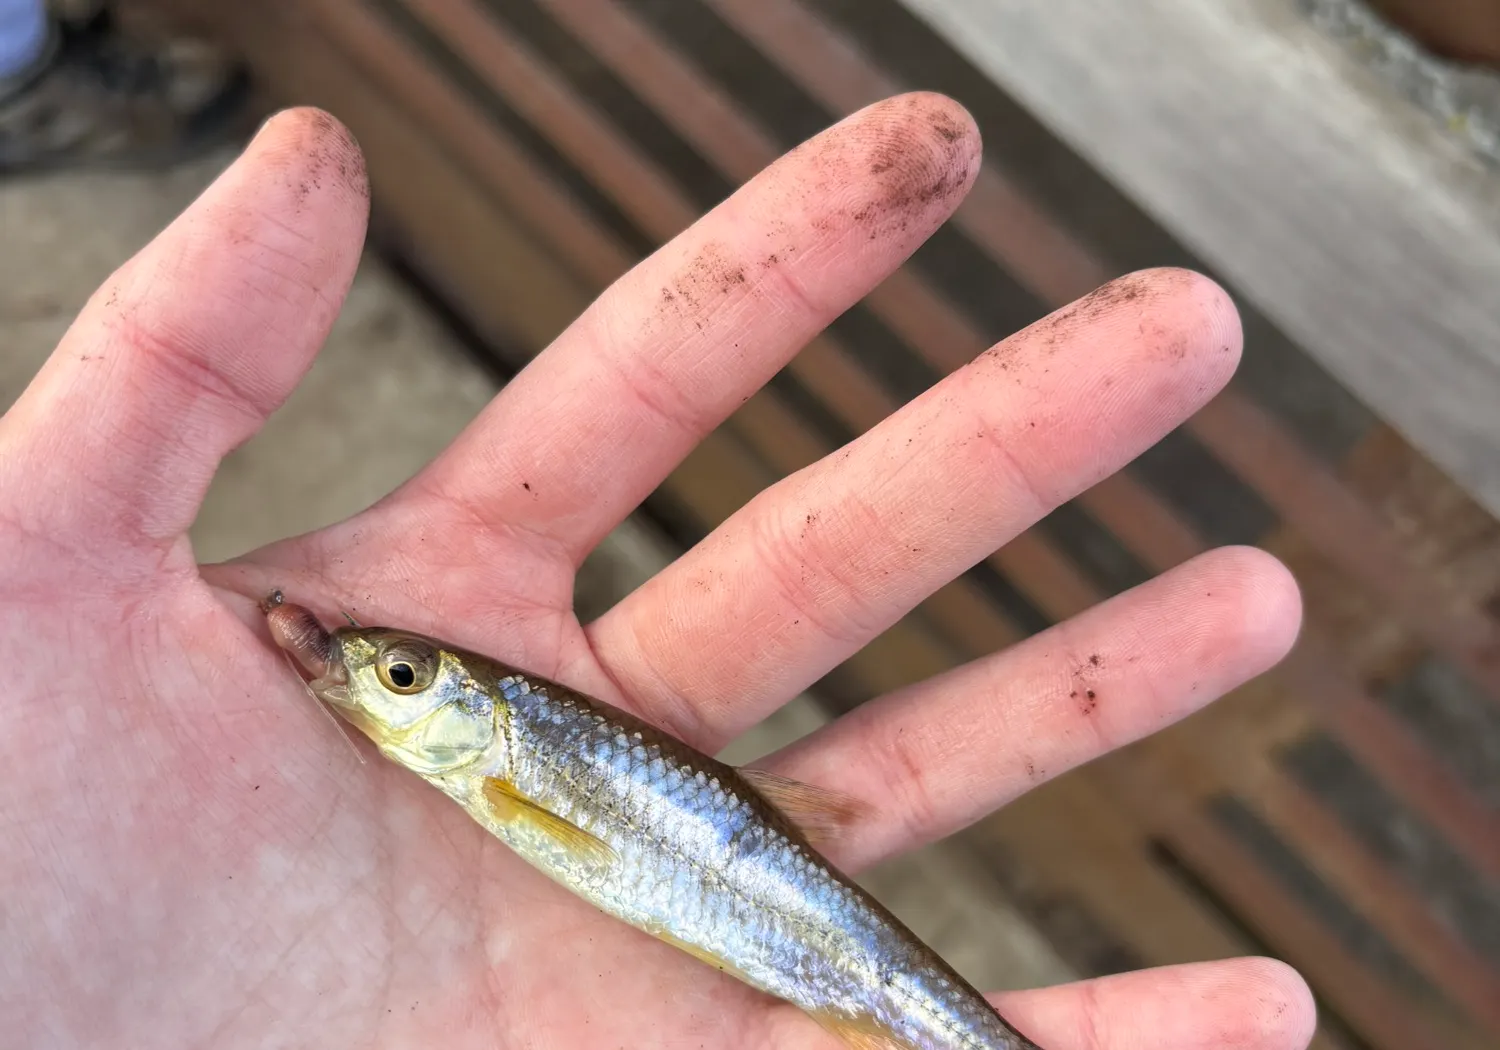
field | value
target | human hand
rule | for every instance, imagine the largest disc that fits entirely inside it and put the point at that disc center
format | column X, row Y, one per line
column 189, row 858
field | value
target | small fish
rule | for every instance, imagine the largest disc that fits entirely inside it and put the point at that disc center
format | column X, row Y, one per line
column 717, row 861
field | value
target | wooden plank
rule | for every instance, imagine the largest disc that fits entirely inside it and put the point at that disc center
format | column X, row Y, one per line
column 1342, row 527
column 586, row 138
column 1085, row 841
column 418, row 189
column 1231, row 746
column 1419, row 778
column 1313, row 672
column 1079, row 836
column 596, row 256
column 1373, row 889
column 1384, row 1018
column 1355, row 224
column 1449, row 535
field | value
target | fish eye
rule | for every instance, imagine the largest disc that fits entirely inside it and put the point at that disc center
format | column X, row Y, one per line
column 406, row 668
column 401, row 674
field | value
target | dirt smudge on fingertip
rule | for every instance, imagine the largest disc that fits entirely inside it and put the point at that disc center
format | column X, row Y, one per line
column 888, row 170
column 337, row 150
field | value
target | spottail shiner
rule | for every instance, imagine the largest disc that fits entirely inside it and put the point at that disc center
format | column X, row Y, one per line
column 717, row 861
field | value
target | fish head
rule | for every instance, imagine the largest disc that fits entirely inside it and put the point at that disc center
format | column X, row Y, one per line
column 414, row 697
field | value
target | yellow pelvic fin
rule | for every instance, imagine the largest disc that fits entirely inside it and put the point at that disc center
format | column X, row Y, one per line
column 862, row 1033
column 700, row 953
column 509, row 806
column 822, row 813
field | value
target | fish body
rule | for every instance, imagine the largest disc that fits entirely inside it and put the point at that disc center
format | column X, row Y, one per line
column 673, row 842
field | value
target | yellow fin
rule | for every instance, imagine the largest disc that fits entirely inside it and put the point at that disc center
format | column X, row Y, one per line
column 862, row 1033
column 822, row 813
column 510, row 806
column 703, row 955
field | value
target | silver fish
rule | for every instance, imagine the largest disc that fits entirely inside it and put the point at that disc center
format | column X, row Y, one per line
column 717, row 861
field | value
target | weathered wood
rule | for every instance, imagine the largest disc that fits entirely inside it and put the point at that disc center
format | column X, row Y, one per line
column 1374, row 890
column 1449, row 536
column 1318, row 675
column 1463, row 29
column 1385, row 1018
column 1348, row 219
column 420, row 190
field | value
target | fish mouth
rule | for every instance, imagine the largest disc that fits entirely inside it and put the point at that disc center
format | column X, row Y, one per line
column 332, row 686
column 331, row 690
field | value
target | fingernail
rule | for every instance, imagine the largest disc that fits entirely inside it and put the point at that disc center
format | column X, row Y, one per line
column 263, row 125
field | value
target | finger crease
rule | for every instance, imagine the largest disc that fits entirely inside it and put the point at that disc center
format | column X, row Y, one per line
column 194, row 376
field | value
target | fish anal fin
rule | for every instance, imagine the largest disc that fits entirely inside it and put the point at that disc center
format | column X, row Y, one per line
column 862, row 1033
column 823, row 814
column 509, row 806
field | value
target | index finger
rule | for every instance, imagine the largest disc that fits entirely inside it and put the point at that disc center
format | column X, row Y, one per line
column 593, row 424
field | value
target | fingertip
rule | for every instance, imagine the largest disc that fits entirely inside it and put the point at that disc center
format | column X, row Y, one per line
column 1226, row 340
column 1196, row 306
column 1124, row 365
column 1286, row 1014
column 1172, row 317
column 1259, row 597
column 312, row 143
column 942, row 125
column 1248, row 1003
column 903, row 165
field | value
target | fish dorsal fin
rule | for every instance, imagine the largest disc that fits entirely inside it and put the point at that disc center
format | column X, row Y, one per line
column 509, row 806
column 862, row 1033
column 823, row 814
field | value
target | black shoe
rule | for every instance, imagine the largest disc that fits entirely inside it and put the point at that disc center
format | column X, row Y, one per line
column 98, row 99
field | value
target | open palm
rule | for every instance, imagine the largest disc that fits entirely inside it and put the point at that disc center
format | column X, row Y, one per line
column 190, row 858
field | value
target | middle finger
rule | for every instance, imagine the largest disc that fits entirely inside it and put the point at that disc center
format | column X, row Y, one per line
column 599, row 418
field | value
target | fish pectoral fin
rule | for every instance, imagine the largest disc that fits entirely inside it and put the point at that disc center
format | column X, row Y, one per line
column 510, row 806
column 822, row 813
column 862, row 1033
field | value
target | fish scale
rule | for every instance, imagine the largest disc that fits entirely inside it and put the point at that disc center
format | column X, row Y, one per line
column 753, row 907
